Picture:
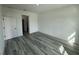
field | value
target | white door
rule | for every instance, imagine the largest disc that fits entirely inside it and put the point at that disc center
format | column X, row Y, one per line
column 10, row 27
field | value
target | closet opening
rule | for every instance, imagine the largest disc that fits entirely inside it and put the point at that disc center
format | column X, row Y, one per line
column 25, row 24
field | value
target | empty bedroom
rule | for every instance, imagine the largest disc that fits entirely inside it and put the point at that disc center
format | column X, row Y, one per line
column 39, row 29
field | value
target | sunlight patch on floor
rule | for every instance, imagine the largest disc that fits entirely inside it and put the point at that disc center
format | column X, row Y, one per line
column 71, row 38
column 62, row 50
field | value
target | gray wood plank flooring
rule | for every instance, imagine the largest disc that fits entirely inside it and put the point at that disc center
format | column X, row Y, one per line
column 38, row 44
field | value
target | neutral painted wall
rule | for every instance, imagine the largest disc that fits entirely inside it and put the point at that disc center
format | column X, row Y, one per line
column 60, row 22
column 77, row 27
column 1, row 34
column 10, row 12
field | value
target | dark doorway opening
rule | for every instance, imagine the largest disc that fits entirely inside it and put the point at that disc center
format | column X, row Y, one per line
column 25, row 24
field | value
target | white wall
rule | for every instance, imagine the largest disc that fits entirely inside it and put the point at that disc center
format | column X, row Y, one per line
column 1, row 34
column 60, row 23
column 10, row 12
column 77, row 27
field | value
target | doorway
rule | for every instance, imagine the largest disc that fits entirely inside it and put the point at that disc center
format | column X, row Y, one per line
column 25, row 24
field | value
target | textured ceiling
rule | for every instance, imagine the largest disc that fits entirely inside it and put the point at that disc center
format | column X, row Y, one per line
column 35, row 8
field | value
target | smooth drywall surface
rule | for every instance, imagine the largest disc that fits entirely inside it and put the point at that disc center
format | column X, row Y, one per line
column 33, row 23
column 10, row 12
column 1, row 34
column 77, row 27
column 60, row 23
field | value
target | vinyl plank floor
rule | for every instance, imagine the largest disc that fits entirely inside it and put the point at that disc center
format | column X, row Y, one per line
column 38, row 44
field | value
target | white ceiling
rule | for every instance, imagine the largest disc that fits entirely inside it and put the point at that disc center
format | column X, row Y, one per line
column 36, row 8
